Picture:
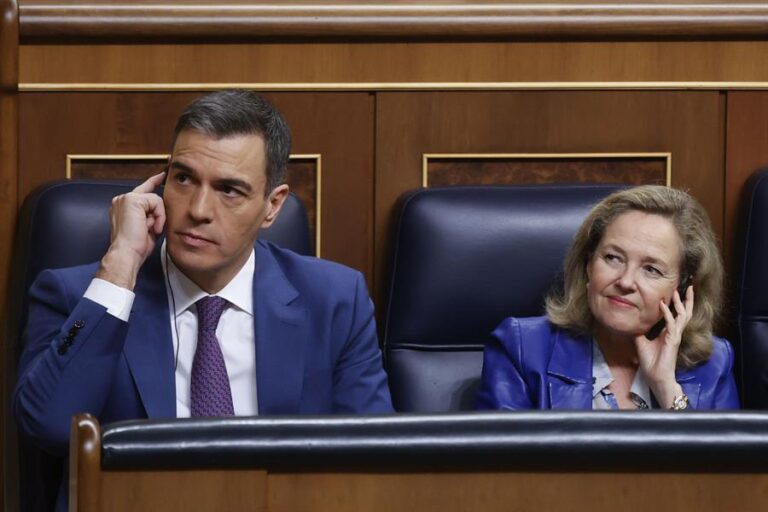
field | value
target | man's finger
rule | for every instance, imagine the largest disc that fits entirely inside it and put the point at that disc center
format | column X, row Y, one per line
column 151, row 184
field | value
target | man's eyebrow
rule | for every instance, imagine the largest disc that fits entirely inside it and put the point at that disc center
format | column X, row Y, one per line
column 234, row 183
column 181, row 167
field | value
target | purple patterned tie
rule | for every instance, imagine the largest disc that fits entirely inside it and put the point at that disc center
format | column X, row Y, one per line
column 211, row 395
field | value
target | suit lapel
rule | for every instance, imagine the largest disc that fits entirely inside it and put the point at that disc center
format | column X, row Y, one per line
column 148, row 346
column 280, row 332
column 570, row 373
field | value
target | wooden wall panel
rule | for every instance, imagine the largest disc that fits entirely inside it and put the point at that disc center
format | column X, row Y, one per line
column 227, row 20
column 338, row 64
column 638, row 169
column 516, row 492
column 689, row 125
column 336, row 126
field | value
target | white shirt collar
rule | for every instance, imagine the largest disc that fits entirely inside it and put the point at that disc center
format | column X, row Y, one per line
column 238, row 292
column 602, row 377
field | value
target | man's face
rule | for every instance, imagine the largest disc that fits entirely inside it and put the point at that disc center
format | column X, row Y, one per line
column 215, row 204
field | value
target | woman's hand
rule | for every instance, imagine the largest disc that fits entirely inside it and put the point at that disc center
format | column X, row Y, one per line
column 658, row 358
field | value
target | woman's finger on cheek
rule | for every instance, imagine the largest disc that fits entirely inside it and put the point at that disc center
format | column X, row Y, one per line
column 678, row 303
column 667, row 313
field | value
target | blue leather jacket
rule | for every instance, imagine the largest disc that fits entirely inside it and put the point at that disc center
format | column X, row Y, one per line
column 533, row 364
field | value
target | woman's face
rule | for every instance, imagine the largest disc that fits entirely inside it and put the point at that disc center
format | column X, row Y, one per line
column 635, row 267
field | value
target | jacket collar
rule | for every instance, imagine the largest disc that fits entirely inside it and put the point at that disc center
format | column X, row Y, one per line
column 148, row 347
column 570, row 371
column 280, row 331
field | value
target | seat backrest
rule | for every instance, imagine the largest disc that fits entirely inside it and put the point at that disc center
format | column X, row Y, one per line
column 62, row 224
column 752, row 292
column 464, row 259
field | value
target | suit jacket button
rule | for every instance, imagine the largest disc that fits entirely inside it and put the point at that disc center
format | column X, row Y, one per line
column 62, row 350
column 79, row 324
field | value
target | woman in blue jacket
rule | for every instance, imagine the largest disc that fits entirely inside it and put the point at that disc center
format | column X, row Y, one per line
column 632, row 327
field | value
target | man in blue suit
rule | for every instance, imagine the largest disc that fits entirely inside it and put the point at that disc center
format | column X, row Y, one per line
column 123, row 338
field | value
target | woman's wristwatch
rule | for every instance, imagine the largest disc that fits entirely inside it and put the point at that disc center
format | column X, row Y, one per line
column 679, row 403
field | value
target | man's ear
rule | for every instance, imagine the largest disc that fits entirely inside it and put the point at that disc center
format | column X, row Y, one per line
column 275, row 201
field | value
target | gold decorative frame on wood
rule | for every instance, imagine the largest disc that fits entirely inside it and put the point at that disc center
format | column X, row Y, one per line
column 163, row 158
column 540, row 156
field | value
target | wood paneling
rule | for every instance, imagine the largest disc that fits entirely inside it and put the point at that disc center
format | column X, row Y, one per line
column 109, row 167
column 518, row 170
column 517, row 492
column 429, row 492
column 337, row 126
column 547, row 19
column 689, row 125
column 198, row 491
column 382, row 63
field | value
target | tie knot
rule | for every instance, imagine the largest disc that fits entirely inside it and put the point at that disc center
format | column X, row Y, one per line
column 209, row 311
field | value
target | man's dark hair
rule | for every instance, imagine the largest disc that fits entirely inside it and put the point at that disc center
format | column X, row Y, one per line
column 241, row 112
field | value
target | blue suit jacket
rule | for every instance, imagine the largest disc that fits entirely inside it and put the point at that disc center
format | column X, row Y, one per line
column 533, row 364
column 316, row 347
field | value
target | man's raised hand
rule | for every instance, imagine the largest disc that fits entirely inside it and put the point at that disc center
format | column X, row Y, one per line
column 137, row 218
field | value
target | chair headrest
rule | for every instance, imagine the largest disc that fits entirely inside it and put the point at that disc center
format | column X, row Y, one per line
column 467, row 257
column 753, row 278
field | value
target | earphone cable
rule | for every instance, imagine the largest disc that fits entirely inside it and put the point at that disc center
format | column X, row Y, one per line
column 173, row 304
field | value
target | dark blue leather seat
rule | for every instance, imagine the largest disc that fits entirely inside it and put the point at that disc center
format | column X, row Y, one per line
column 464, row 259
column 62, row 224
column 752, row 292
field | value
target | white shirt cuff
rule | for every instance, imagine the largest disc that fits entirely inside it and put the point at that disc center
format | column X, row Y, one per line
column 117, row 300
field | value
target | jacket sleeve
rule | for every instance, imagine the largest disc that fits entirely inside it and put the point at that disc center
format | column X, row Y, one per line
column 726, row 396
column 502, row 385
column 359, row 381
column 71, row 346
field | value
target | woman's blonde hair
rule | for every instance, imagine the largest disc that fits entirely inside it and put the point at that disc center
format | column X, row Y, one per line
column 569, row 308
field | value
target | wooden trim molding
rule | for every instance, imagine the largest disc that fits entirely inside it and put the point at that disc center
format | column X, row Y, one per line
column 85, row 464
column 9, row 128
column 420, row 20
column 160, row 159
column 395, row 86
